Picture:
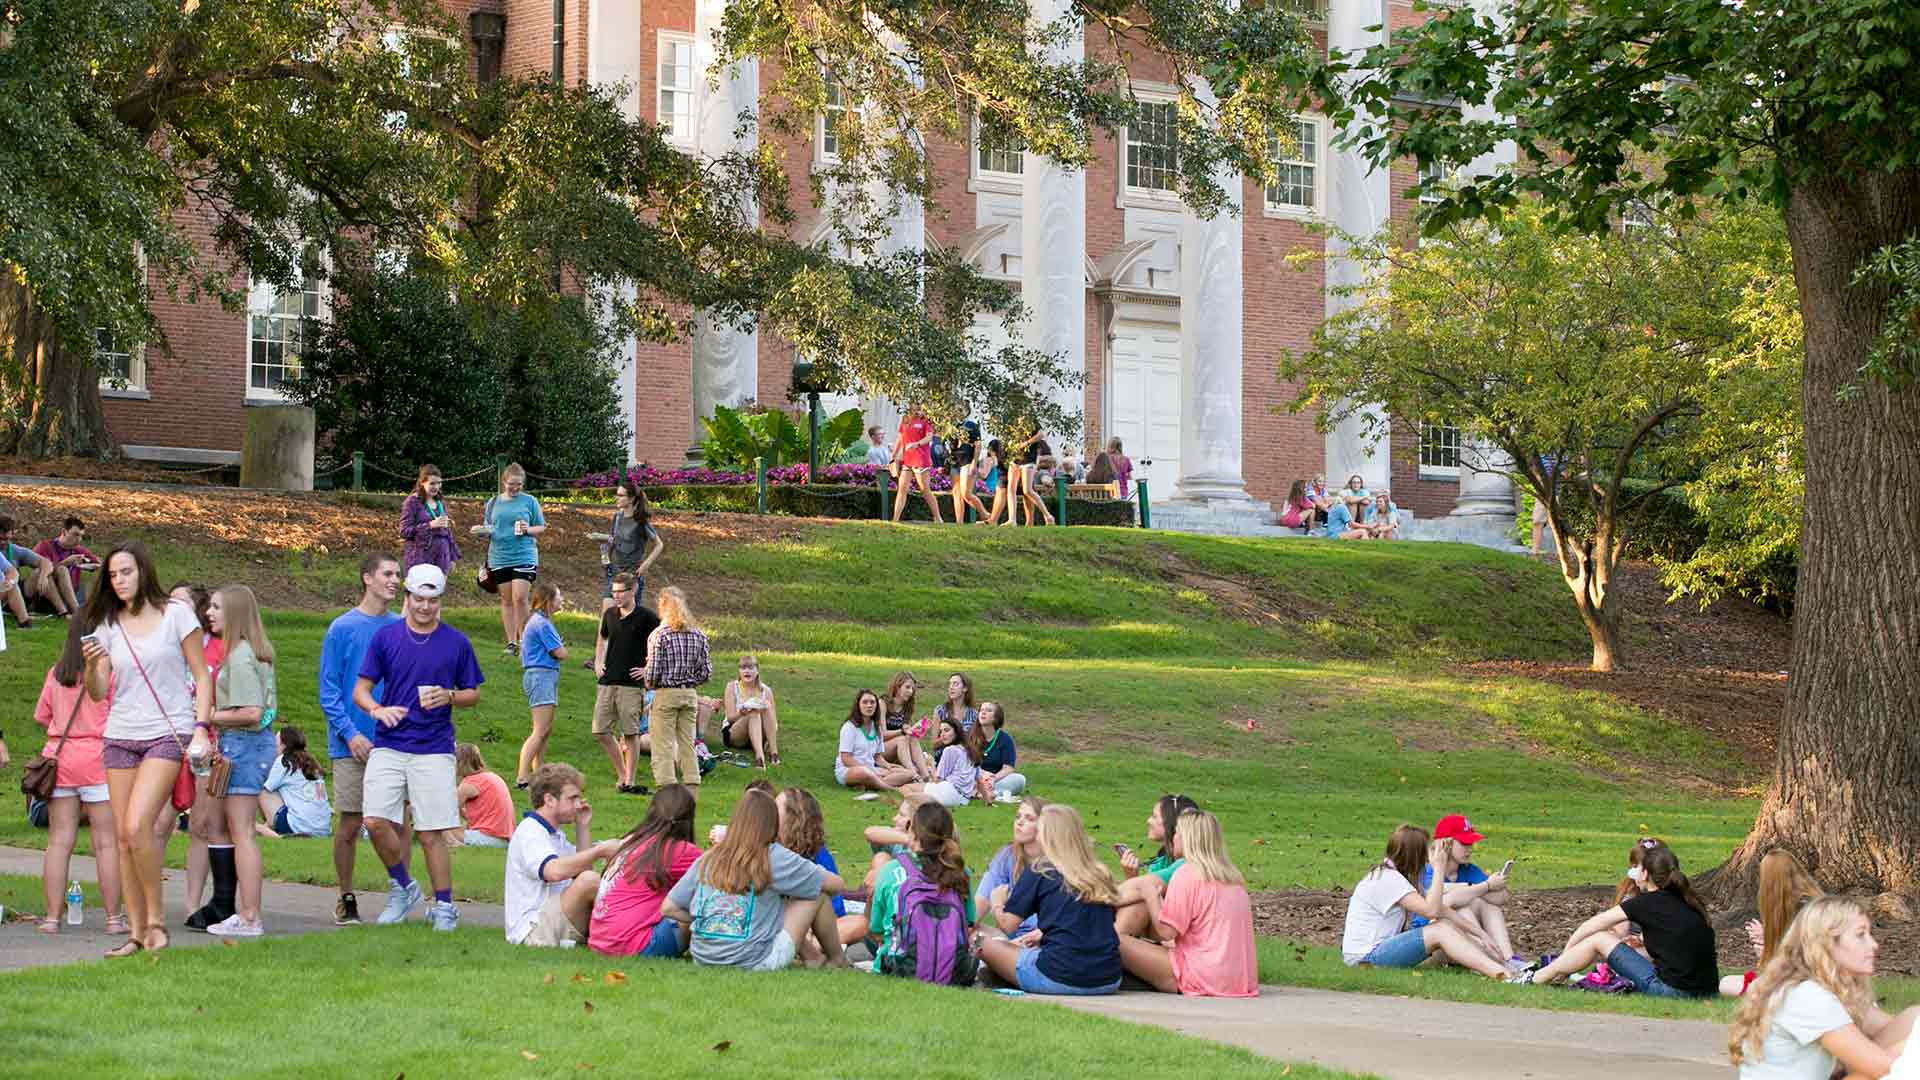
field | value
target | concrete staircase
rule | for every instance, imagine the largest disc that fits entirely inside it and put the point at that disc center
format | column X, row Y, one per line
column 1215, row 518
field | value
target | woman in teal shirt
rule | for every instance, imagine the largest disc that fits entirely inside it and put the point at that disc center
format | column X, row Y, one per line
column 513, row 520
column 1132, row 917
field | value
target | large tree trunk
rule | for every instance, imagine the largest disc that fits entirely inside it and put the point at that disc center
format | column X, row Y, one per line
column 49, row 393
column 1588, row 567
column 1846, row 791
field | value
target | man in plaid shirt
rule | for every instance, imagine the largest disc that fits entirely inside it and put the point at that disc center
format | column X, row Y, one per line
column 678, row 664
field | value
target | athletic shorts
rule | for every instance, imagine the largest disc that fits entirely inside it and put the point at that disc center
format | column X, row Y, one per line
column 129, row 753
column 500, row 575
column 427, row 781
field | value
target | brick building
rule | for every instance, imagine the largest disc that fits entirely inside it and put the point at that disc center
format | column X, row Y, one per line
column 1176, row 321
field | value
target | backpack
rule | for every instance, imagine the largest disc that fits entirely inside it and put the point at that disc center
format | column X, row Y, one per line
column 930, row 934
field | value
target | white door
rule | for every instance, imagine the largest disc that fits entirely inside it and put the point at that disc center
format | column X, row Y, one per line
column 1144, row 401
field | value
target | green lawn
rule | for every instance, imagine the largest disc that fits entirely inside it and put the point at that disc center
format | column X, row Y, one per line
column 1129, row 664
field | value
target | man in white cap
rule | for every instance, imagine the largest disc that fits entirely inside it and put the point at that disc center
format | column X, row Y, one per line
column 423, row 670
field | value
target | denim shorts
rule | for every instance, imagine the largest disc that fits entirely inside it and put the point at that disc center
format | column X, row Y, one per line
column 664, row 942
column 252, row 755
column 1403, row 950
column 542, row 686
column 1627, row 963
column 1033, row 982
column 281, row 826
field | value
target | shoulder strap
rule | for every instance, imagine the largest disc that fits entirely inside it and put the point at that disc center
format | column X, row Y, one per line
column 71, row 717
column 142, row 668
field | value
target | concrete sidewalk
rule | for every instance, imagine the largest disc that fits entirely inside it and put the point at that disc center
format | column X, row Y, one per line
column 288, row 909
column 1417, row 1039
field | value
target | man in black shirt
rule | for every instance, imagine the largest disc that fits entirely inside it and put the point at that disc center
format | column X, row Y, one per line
column 619, row 657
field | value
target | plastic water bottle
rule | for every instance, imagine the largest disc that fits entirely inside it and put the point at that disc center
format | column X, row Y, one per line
column 74, row 899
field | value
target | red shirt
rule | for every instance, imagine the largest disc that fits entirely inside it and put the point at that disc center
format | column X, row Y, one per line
column 626, row 911
column 51, row 548
column 912, row 430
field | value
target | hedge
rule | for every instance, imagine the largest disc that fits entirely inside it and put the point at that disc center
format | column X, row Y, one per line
column 850, row 502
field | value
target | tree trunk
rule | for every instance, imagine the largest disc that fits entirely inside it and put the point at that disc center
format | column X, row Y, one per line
column 1846, row 790
column 49, row 393
column 1588, row 567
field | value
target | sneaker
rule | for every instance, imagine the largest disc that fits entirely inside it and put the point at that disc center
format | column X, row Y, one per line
column 866, row 796
column 235, row 926
column 444, row 916
column 1006, row 797
column 1520, row 978
column 346, row 910
column 1519, row 963
column 400, row 902
column 208, row 916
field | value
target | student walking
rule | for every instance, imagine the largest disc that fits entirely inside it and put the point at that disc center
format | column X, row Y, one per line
column 678, row 663
column 513, row 522
column 912, row 450
column 349, row 728
column 148, row 649
column 620, row 662
column 541, row 654
column 630, row 544
column 426, row 525
column 246, row 703
column 424, row 669
column 963, row 462
column 75, row 728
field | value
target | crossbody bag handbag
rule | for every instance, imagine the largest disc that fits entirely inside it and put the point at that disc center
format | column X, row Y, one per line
column 484, row 576
column 40, row 778
column 183, row 783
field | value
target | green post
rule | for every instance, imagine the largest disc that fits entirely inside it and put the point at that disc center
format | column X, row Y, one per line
column 813, row 438
column 1146, row 515
column 760, row 473
column 881, row 477
column 1059, row 498
column 359, row 462
column 499, row 466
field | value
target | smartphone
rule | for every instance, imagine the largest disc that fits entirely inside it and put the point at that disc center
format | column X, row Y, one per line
column 1122, row 850
column 1507, row 867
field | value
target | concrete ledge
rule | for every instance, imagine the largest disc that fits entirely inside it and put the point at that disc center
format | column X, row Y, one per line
column 182, row 455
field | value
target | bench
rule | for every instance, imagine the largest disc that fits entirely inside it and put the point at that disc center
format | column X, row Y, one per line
column 1093, row 491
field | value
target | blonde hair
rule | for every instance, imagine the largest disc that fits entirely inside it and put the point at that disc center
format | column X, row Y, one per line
column 673, row 611
column 467, row 759
column 512, row 470
column 1784, row 887
column 1039, row 805
column 240, row 621
column 544, row 598
column 1065, row 849
column 1805, row 954
column 1204, row 846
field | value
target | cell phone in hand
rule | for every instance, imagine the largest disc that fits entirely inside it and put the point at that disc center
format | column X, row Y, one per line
column 1122, row 850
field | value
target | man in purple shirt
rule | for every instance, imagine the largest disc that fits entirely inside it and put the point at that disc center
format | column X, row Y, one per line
column 423, row 668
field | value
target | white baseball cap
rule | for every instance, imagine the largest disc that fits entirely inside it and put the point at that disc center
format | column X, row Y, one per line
column 426, row 579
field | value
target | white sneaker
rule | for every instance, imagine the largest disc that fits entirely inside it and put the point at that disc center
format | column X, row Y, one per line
column 400, row 902
column 444, row 916
column 1006, row 797
column 235, row 926
column 866, row 796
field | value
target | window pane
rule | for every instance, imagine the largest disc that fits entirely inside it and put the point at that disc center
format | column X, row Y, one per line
column 1298, row 166
column 1439, row 446
column 1152, row 155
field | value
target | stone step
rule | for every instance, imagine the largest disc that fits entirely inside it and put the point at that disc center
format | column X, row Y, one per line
column 1258, row 520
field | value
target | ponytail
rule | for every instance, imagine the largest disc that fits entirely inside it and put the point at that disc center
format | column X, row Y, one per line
column 1663, row 870
column 937, row 848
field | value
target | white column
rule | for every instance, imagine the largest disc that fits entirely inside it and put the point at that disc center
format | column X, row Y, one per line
column 726, row 358
column 1486, row 486
column 613, row 56
column 1053, row 243
column 1359, row 200
column 1212, row 310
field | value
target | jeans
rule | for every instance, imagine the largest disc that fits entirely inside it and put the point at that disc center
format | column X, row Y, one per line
column 1627, row 963
column 1403, row 950
column 1010, row 784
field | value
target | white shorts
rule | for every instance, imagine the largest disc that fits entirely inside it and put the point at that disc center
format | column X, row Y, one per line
column 779, row 957
column 552, row 930
column 88, row 793
column 395, row 779
column 946, row 794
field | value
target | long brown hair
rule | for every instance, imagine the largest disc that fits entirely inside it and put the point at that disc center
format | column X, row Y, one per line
column 427, row 472
column 1406, row 852
column 648, row 849
column 937, row 848
column 1635, row 858
column 1784, row 888
column 894, row 685
column 741, row 862
column 1171, row 807
column 73, row 662
column 1663, row 872
column 104, row 606
column 879, row 714
column 963, row 739
column 294, row 753
column 803, row 828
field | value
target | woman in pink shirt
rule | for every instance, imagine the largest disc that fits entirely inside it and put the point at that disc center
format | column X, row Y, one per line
column 1205, row 920
column 75, row 727
column 655, row 856
column 486, row 806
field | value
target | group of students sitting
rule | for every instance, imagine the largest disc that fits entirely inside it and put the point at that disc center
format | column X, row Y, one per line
column 882, row 748
column 1351, row 513
column 1808, row 1004
column 1046, row 917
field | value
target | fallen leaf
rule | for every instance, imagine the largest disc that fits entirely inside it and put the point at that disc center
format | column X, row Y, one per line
column 530, row 1055
column 616, row 978
column 723, row 1046
column 578, row 977
column 548, row 981
column 589, row 1007
column 229, row 944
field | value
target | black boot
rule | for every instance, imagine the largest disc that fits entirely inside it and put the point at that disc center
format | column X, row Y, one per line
column 225, row 880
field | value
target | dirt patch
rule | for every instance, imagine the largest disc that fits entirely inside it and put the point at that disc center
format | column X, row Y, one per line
column 73, row 468
column 1539, row 921
column 1723, row 669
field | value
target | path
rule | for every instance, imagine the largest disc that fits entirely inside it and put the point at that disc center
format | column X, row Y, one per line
column 1408, row 1038
column 290, row 909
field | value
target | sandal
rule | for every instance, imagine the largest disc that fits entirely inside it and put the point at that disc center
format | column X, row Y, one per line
column 48, row 925
column 124, row 949
column 165, row 940
column 117, row 924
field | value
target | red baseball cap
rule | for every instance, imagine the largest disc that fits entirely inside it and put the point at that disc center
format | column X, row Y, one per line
column 1456, row 827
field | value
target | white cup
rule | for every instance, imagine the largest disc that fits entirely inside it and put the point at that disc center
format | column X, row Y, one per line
column 424, row 691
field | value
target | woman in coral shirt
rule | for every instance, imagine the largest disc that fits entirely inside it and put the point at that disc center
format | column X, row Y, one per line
column 913, row 449
column 75, row 727
column 1206, row 920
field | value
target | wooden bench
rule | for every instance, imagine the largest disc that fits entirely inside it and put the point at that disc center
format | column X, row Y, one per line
column 1093, row 491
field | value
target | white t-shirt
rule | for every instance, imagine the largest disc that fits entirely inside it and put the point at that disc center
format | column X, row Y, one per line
column 853, row 740
column 535, row 843
column 1374, row 913
column 1792, row 1049
column 877, row 454
column 134, row 714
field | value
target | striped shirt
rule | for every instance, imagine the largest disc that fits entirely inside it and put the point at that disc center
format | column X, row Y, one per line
column 677, row 658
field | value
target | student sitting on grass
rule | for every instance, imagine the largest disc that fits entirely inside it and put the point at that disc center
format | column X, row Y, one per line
column 550, row 883
column 1784, row 889
column 857, row 763
column 1672, row 920
column 960, row 779
column 921, row 907
column 1162, row 826
column 486, row 806
column 803, row 831
column 627, row 917
column 1812, row 1005
column 887, row 842
column 904, row 731
column 1479, row 897
column 1341, row 525
column 1072, row 893
column 1007, row 865
column 1205, row 921
column 749, row 902
column 294, row 799
column 1377, row 931
column 998, row 757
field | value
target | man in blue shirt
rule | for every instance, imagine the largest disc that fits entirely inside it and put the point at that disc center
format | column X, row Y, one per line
column 350, row 730
column 1476, row 894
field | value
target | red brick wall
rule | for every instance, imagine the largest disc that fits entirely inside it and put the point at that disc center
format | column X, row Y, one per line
column 1282, row 306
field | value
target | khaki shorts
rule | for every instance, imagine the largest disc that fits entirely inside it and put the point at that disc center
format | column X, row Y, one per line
column 618, row 708
column 426, row 781
column 552, row 929
column 349, row 779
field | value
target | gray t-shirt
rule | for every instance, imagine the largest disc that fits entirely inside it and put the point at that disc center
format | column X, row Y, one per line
column 627, row 541
column 738, row 929
column 1792, row 1050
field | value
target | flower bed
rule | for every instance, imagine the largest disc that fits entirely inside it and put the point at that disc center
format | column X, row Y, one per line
column 851, row 494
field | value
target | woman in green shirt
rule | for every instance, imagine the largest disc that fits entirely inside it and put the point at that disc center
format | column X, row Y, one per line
column 1131, row 917
column 245, row 701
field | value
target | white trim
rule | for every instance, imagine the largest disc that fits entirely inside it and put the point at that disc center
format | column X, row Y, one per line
column 822, row 157
column 1318, row 163
column 136, row 381
column 262, row 298
column 1437, row 472
column 1126, row 195
column 664, row 41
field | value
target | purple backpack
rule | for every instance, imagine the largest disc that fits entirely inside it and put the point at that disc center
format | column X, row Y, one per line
column 930, row 933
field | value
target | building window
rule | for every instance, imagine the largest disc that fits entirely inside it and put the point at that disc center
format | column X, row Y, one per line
column 1153, row 147
column 1636, row 216
column 1439, row 449
column 676, row 87
column 1433, row 182
column 826, row 136
column 1298, row 188
column 120, row 369
column 276, row 330
column 996, row 152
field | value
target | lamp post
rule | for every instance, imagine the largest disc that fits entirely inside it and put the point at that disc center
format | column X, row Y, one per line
column 803, row 381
